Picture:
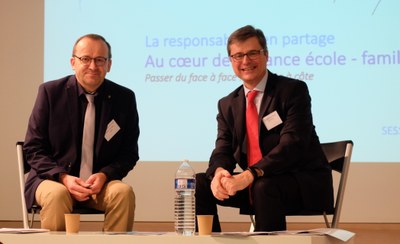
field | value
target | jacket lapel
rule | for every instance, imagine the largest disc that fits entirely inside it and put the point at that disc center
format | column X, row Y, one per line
column 267, row 98
column 239, row 110
column 106, row 100
column 72, row 104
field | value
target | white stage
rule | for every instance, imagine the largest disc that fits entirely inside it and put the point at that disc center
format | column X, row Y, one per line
column 164, row 238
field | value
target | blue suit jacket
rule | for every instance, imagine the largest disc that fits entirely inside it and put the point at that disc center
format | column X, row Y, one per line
column 53, row 139
column 292, row 147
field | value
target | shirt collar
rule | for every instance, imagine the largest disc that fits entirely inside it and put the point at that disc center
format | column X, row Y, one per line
column 81, row 91
column 260, row 86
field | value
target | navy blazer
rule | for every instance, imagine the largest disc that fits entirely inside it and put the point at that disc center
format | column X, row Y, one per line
column 53, row 139
column 292, row 147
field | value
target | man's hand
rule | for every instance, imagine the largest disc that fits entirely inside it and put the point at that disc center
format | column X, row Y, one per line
column 237, row 182
column 96, row 182
column 78, row 189
column 83, row 190
column 217, row 188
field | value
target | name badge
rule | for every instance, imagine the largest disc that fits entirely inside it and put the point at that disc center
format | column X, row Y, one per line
column 272, row 120
column 112, row 129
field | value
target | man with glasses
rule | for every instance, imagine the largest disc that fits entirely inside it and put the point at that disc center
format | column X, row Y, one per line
column 265, row 127
column 82, row 139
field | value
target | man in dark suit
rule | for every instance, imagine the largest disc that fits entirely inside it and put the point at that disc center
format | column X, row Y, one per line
column 53, row 144
column 284, row 168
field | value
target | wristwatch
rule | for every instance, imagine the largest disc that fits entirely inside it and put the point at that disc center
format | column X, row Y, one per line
column 256, row 172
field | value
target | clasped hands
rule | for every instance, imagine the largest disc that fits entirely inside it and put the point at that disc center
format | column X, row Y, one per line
column 224, row 185
column 82, row 190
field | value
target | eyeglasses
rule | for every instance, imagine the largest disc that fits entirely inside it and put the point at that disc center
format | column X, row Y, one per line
column 98, row 61
column 252, row 55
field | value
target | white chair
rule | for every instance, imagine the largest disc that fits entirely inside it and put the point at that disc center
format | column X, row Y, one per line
column 23, row 168
column 338, row 155
column 21, row 174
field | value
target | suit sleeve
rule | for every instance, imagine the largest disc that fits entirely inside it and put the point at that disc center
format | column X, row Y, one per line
column 223, row 154
column 36, row 145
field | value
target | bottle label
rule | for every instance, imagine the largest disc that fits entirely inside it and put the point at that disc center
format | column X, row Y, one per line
column 185, row 184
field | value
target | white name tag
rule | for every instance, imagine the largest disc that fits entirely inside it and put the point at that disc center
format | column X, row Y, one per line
column 272, row 120
column 112, row 129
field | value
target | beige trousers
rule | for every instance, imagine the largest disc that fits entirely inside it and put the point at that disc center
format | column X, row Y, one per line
column 116, row 199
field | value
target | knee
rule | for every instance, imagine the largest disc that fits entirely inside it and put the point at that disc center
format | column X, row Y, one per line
column 265, row 186
column 201, row 179
column 58, row 193
column 122, row 191
column 55, row 195
column 202, row 183
column 125, row 189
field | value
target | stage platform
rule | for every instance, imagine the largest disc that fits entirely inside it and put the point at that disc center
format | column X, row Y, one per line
column 162, row 238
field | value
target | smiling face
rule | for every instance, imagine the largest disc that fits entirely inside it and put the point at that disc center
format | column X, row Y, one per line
column 250, row 71
column 90, row 76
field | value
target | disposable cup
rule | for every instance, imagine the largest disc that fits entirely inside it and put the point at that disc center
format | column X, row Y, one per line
column 205, row 224
column 72, row 221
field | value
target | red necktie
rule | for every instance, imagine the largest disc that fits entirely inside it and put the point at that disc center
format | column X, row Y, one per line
column 253, row 146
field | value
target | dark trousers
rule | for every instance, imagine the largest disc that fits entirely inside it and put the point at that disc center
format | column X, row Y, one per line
column 272, row 198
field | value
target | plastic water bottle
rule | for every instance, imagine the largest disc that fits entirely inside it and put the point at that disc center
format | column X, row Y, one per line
column 185, row 185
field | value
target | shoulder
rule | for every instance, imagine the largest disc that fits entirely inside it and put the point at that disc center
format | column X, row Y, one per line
column 284, row 80
column 57, row 87
column 62, row 82
column 118, row 93
column 115, row 88
column 233, row 95
column 285, row 84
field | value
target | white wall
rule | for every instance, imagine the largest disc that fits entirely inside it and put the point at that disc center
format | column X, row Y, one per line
column 372, row 195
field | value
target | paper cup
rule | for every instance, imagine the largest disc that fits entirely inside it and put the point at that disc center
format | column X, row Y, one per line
column 72, row 221
column 205, row 224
